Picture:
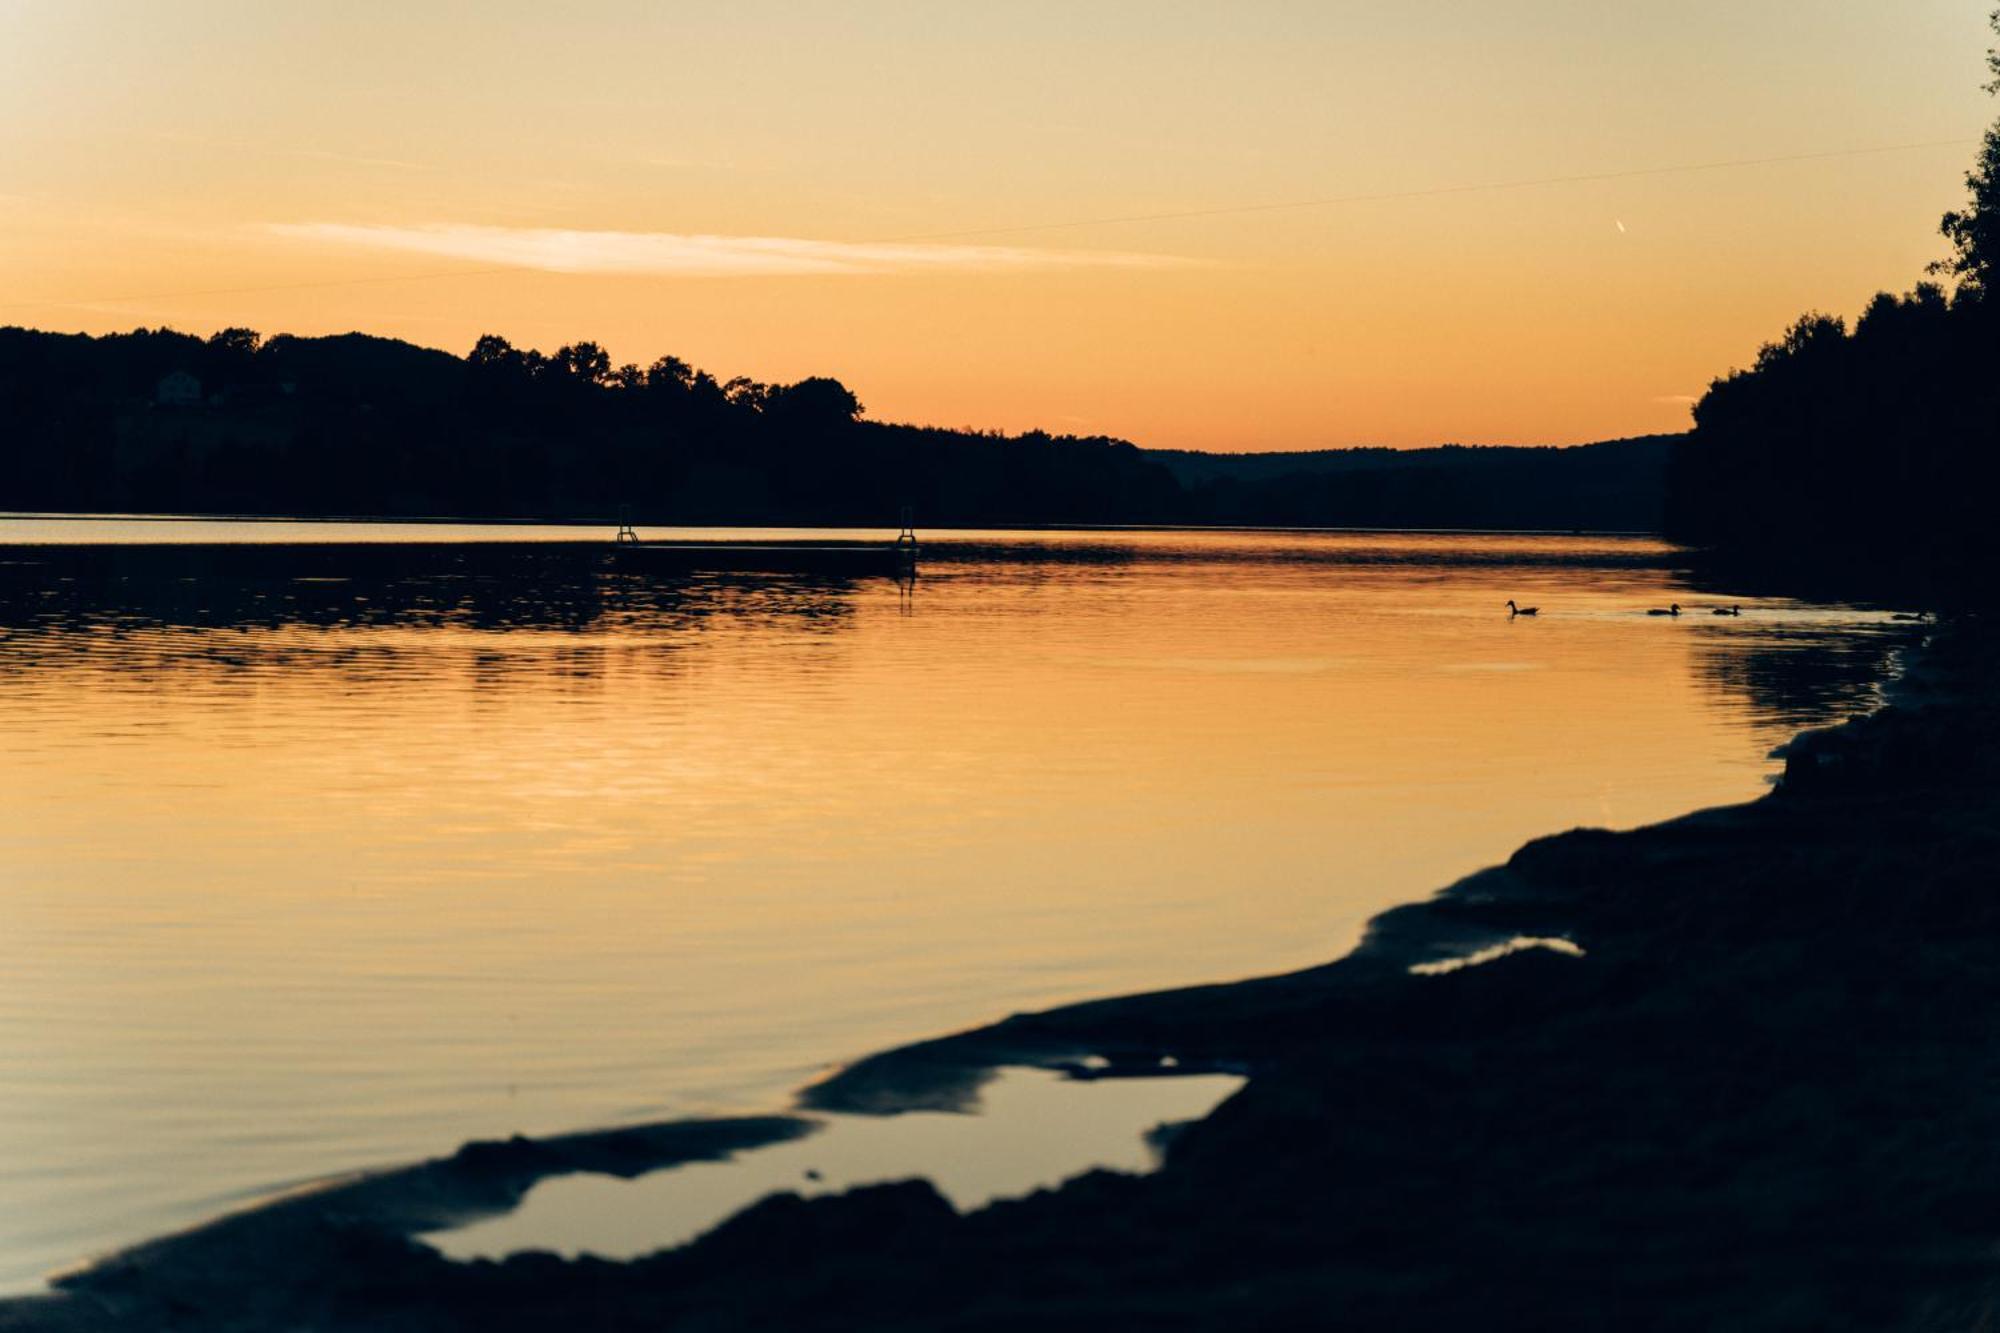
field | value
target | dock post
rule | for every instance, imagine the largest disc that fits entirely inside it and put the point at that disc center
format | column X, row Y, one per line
column 905, row 545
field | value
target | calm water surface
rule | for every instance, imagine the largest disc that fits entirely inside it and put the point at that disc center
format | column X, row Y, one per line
column 312, row 859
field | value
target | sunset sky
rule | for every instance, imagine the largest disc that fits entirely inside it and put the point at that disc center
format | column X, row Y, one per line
column 864, row 190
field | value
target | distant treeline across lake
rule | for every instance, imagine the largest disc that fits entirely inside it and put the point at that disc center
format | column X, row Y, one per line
column 159, row 421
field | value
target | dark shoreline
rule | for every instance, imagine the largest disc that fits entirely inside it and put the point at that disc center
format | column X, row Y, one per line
column 1762, row 1097
column 572, row 521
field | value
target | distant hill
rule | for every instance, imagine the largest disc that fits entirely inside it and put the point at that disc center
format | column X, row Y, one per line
column 1618, row 485
column 160, row 421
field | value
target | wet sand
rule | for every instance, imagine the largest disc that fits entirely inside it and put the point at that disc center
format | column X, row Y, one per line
column 1755, row 1088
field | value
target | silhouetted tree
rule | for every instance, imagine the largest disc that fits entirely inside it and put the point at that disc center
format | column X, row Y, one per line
column 744, row 392
column 236, row 341
column 492, row 350
column 670, row 372
column 1812, row 335
column 584, row 362
column 816, row 403
column 230, row 356
column 1974, row 231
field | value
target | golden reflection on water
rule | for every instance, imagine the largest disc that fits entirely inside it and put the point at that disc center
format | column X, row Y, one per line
column 301, row 872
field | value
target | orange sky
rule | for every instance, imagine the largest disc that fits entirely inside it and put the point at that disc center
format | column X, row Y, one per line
column 784, row 189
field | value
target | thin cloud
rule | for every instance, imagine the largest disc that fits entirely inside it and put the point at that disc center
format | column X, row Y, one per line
column 675, row 254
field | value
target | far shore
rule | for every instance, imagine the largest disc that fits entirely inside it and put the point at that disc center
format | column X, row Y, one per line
column 1730, row 1070
column 593, row 522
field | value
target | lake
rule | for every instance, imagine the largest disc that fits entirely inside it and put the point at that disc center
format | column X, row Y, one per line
column 319, row 851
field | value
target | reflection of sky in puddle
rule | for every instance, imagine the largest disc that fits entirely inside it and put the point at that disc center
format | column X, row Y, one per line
column 1034, row 1129
column 1492, row 953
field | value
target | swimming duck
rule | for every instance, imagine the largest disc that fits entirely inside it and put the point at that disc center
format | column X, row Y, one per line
column 1727, row 611
column 1514, row 610
column 1672, row 611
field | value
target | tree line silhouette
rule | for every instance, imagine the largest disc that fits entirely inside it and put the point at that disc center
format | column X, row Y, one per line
column 1871, row 452
column 159, row 421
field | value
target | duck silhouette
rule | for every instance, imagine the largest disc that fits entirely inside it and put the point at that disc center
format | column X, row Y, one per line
column 1514, row 610
column 1727, row 611
column 1673, row 610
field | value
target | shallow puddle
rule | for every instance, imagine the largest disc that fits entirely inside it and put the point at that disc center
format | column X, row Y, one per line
column 1033, row 1128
